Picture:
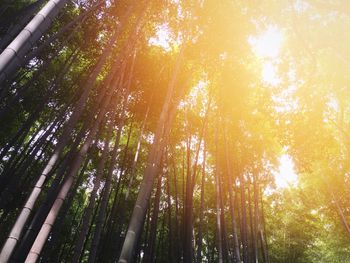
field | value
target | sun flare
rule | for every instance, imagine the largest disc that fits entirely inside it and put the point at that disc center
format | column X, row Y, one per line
column 269, row 74
column 267, row 45
column 285, row 176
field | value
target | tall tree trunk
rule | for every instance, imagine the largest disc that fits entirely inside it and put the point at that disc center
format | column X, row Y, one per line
column 92, row 200
column 237, row 255
column 187, row 236
column 170, row 233
column 52, row 248
column 105, row 197
column 243, row 218
column 42, row 212
column 160, row 246
column 218, row 201
column 225, row 247
column 75, row 22
column 201, row 211
column 251, row 247
column 104, row 202
column 18, row 171
column 339, row 210
column 263, row 232
column 121, row 168
column 19, row 137
column 50, row 219
column 24, row 17
column 256, row 216
column 153, row 162
column 150, row 249
column 188, row 255
column 11, row 57
column 30, row 85
column 137, row 152
column 177, row 213
column 17, row 229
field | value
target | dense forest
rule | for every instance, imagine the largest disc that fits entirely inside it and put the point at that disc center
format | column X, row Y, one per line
column 175, row 131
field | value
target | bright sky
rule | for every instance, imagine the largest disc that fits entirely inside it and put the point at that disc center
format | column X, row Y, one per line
column 267, row 46
column 269, row 74
column 163, row 38
column 285, row 176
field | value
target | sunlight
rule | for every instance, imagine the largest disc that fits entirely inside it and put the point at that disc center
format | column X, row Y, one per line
column 188, row 116
column 162, row 38
column 267, row 44
column 269, row 74
column 285, row 176
column 266, row 47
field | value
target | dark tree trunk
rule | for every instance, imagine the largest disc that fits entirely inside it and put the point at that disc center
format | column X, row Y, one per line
column 67, row 183
column 218, row 201
column 92, row 200
column 104, row 202
column 17, row 229
column 188, row 227
column 153, row 163
column 243, row 219
column 237, row 256
column 150, row 249
column 256, row 217
column 201, row 211
column 170, row 233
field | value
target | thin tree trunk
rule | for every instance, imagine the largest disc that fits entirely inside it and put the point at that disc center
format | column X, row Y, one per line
column 104, row 201
column 19, row 137
column 146, row 231
column 141, row 205
column 52, row 245
column 177, row 213
column 170, row 233
column 244, row 219
column 91, row 226
column 263, row 232
column 237, row 255
column 46, row 228
column 225, row 247
column 16, row 159
column 41, row 214
column 136, row 156
column 201, row 211
column 218, row 206
column 251, row 247
column 17, row 229
column 55, row 81
column 92, row 200
column 160, row 246
column 256, row 217
column 150, row 249
column 188, row 244
column 19, row 170
column 339, row 210
column 114, row 205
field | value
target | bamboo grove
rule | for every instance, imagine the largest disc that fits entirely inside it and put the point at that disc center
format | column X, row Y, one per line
column 156, row 131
